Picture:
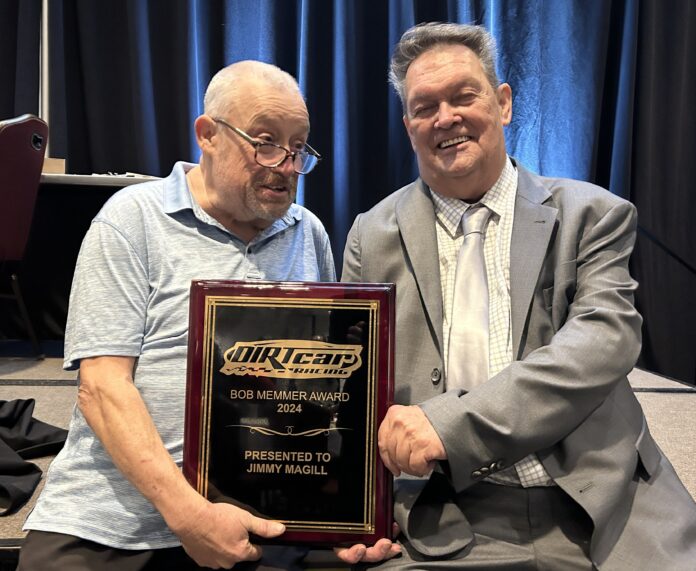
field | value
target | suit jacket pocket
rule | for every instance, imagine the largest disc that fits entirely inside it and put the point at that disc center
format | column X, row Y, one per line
column 648, row 452
column 564, row 279
column 548, row 298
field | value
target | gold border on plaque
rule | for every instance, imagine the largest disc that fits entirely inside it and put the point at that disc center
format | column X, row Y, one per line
column 373, row 306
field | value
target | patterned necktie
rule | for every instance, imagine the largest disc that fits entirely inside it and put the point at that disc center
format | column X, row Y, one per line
column 467, row 362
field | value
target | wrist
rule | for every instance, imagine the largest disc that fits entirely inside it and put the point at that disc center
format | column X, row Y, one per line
column 181, row 507
column 184, row 518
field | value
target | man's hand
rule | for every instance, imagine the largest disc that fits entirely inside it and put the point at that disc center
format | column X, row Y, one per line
column 408, row 442
column 359, row 553
column 217, row 536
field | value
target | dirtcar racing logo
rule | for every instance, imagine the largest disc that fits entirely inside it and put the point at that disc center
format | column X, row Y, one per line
column 292, row 358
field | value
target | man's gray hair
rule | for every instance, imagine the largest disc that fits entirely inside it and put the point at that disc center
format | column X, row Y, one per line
column 423, row 37
column 223, row 87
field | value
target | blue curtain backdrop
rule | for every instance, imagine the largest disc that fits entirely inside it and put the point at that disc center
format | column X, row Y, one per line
column 601, row 92
column 134, row 74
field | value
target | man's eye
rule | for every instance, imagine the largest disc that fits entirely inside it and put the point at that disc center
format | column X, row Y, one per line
column 464, row 98
column 423, row 110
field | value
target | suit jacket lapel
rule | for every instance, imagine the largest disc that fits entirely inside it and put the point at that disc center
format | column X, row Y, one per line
column 415, row 216
column 531, row 231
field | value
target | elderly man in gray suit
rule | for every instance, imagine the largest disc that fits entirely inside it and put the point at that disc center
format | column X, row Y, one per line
column 516, row 441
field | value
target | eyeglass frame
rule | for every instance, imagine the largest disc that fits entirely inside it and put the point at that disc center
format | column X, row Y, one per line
column 256, row 144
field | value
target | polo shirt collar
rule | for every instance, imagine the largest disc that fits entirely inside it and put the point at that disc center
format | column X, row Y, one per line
column 177, row 196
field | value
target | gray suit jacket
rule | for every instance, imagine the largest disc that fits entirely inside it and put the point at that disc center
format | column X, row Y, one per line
column 576, row 335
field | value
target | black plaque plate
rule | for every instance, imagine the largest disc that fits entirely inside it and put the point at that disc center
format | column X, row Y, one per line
column 287, row 385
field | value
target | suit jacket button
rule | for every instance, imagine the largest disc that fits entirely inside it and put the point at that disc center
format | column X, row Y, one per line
column 435, row 376
column 476, row 475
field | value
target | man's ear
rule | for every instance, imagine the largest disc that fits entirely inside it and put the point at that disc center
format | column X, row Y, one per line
column 407, row 124
column 205, row 129
column 504, row 95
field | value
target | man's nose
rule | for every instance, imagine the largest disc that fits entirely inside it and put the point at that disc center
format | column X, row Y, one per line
column 446, row 116
column 287, row 167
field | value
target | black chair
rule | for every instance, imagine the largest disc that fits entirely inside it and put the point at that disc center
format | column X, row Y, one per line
column 22, row 148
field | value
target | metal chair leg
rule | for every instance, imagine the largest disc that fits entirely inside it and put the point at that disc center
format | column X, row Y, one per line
column 25, row 317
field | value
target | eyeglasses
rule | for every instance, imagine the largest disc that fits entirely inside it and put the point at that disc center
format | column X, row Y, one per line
column 270, row 155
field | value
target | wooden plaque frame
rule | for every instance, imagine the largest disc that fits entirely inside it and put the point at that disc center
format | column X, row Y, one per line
column 287, row 383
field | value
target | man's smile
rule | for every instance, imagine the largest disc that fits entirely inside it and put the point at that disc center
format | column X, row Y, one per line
column 455, row 141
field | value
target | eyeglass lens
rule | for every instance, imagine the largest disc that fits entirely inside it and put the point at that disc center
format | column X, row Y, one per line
column 269, row 155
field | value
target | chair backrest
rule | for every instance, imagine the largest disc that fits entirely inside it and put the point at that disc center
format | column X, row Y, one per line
column 22, row 148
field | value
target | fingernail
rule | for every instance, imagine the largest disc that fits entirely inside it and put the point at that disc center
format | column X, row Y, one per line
column 277, row 527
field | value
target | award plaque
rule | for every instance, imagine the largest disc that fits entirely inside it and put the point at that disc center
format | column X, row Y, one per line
column 287, row 384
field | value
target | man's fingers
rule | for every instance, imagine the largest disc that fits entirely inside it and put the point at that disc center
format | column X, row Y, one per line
column 420, row 466
column 408, row 443
column 402, row 455
column 254, row 553
column 380, row 551
column 383, row 549
column 265, row 527
column 352, row 554
column 385, row 452
column 387, row 461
